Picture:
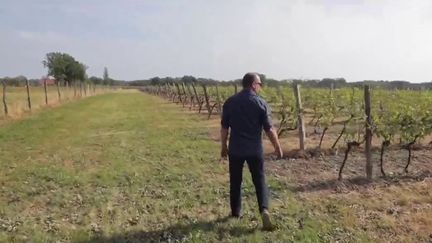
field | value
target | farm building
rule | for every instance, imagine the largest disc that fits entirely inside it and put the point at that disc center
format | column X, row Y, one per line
column 48, row 80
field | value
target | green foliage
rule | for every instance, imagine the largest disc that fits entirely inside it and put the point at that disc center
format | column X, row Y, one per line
column 105, row 75
column 64, row 67
column 403, row 114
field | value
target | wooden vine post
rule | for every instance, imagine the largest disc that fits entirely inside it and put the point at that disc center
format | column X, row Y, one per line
column 301, row 126
column 28, row 94
column 192, row 97
column 173, row 93
column 331, row 89
column 4, row 98
column 179, row 93
column 207, row 100
column 368, row 134
column 167, row 91
column 219, row 102
column 197, row 98
column 184, row 94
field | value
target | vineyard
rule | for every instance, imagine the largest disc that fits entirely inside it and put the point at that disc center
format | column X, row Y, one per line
column 330, row 120
column 135, row 121
column 127, row 166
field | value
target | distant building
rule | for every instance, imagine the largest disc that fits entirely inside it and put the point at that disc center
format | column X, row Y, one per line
column 49, row 80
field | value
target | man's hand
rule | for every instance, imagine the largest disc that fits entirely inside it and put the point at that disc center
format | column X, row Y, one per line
column 224, row 138
column 278, row 152
column 224, row 152
column 272, row 135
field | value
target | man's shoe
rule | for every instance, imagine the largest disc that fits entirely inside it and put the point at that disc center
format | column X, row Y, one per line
column 267, row 224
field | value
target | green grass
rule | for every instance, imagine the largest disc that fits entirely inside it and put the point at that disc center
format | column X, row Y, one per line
column 131, row 166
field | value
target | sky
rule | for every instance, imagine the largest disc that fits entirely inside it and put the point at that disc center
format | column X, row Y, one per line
column 223, row 39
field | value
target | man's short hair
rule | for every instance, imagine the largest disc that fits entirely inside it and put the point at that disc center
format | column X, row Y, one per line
column 248, row 79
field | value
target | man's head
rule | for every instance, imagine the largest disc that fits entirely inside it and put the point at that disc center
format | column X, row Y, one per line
column 252, row 81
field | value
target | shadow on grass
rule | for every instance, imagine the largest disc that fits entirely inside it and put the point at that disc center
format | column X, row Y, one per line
column 177, row 232
column 360, row 182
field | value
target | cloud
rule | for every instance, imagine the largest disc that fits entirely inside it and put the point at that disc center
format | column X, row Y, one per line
column 223, row 39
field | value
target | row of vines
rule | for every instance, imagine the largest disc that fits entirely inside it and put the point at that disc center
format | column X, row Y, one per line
column 398, row 118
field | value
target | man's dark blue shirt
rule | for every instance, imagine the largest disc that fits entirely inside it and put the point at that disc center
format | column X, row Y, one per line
column 247, row 115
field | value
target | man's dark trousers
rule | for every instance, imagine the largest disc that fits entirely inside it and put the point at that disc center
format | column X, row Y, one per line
column 256, row 168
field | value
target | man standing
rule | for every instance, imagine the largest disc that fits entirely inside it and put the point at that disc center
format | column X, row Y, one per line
column 246, row 114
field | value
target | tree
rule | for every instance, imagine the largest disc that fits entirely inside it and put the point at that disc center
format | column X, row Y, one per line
column 188, row 79
column 64, row 67
column 96, row 80
column 106, row 76
column 16, row 81
column 77, row 71
column 155, row 81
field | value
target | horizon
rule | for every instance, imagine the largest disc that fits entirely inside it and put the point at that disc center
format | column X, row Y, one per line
column 231, row 80
column 355, row 40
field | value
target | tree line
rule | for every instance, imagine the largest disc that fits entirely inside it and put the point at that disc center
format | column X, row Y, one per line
column 270, row 82
column 67, row 70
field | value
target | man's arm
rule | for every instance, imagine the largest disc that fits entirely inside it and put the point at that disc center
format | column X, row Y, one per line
column 270, row 131
column 272, row 135
column 224, row 130
column 224, row 140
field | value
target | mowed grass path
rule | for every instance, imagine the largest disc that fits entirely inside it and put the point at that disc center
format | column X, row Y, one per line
column 131, row 167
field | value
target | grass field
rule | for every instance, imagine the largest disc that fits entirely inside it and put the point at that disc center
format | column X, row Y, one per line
column 127, row 166
column 16, row 98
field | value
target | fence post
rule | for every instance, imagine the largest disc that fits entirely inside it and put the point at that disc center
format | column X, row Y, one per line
column 369, row 165
column 28, row 94
column 302, row 130
column 235, row 88
column 66, row 90
column 58, row 90
column 46, row 93
column 4, row 98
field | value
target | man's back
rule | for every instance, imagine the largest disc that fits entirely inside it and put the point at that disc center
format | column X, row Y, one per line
column 246, row 114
